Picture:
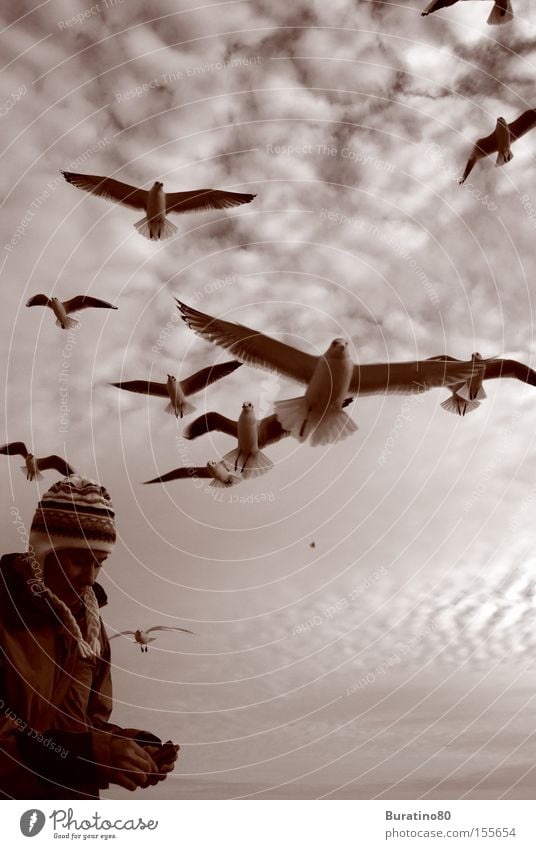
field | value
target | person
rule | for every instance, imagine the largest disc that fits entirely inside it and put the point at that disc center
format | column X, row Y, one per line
column 56, row 741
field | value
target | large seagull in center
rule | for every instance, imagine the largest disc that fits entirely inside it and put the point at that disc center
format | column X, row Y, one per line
column 330, row 378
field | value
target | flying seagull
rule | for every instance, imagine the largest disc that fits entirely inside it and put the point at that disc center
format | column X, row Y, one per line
column 501, row 13
column 35, row 465
column 143, row 638
column 467, row 395
column 61, row 309
column 156, row 203
column 330, row 378
column 221, row 473
column 252, row 436
column 177, row 390
column 499, row 141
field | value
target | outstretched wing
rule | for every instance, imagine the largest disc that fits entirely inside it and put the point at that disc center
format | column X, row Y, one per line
column 251, row 346
column 435, row 5
column 144, row 387
column 84, row 302
column 411, row 377
column 270, row 431
column 14, row 448
column 510, row 368
column 105, row 187
column 168, row 628
column 196, row 382
column 209, row 422
column 203, row 199
column 523, row 124
column 38, row 301
column 122, row 634
column 183, row 474
column 55, row 462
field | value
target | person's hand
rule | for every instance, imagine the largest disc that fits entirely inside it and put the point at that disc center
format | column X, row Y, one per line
column 130, row 764
column 164, row 757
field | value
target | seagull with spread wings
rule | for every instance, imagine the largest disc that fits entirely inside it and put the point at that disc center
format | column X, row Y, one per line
column 61, row 309
column 466, row 395
column 143, row 638
column 156, row 203
column 330, row 378
column 35, row 465
column 502, row 12
column 178, row 390
column 499, row 141
column 221, row 473
column 252, row 436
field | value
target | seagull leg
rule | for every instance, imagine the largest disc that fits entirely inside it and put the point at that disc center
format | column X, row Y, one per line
column 304, row 425
column 245, row 463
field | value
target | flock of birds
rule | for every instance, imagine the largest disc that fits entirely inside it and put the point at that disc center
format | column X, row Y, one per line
column 331, row 381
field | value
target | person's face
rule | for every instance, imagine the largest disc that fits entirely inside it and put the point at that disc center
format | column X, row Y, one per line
column 69, row 571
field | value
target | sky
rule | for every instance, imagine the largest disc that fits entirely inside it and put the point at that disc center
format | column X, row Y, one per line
column 412, row 618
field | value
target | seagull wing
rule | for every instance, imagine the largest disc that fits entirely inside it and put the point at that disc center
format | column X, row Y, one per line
column 83, row 302
column 183, row 474
column 270, row 431
column 121, row 634
column 168, row 628
column 196, row 382
column 251, row 346
column 105, row 187
column 523, row 124
column 410, row 377
column 435, row 5
column 144, row 387
column 55, row 462
column 483, row 147
column 203, row 199
column 38, row 301
column 510, row 368
column 209, row 422
column 14, row 448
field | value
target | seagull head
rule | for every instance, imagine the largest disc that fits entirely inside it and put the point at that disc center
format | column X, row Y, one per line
column 476, row 356
column 158, row 185
column 338, row 348
column 247, row 405
column 212, row 464
column 171, row 378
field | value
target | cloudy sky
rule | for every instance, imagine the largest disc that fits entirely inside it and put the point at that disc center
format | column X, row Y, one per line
column 394, row 658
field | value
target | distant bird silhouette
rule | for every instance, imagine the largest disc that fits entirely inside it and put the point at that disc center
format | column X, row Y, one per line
column 467, row 394
column 177, row 390
column 35, row 465
column 330, row 378
column 156, row 203
column 312, row 545
column 501, row 13
column 142, row 637
column 220, row 472
column 252, row 436
column 499, row 141
column 61, row 309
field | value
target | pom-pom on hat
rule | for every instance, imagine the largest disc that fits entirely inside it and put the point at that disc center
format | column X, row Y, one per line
column 74, row 513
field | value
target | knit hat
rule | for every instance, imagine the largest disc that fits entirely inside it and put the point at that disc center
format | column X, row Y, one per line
column 74, row 513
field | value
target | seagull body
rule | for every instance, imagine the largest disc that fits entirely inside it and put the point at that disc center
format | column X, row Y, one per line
column 143, row 638
column 177, row 390
column 61, row 309
column 35, row 465
column 501, row 13
column 220, row 472
column 330, row 378
column 156, row 203
column 252, row 436
column 499, row 141
column 466, row 395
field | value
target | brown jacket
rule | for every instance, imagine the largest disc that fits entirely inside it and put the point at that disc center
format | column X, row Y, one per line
column 54, row 705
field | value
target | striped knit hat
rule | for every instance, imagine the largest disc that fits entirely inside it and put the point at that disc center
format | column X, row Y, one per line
column 74, row 513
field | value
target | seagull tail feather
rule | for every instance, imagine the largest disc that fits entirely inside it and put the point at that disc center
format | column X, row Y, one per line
column 459, row 406
column 254, row 465
column 469, row 394
column 501, row 16
column 333, row 425
column 69, row 323
column 38, row 476
column 184, row 409
column 503, row 157
column 232, row 481
column 154, row 229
